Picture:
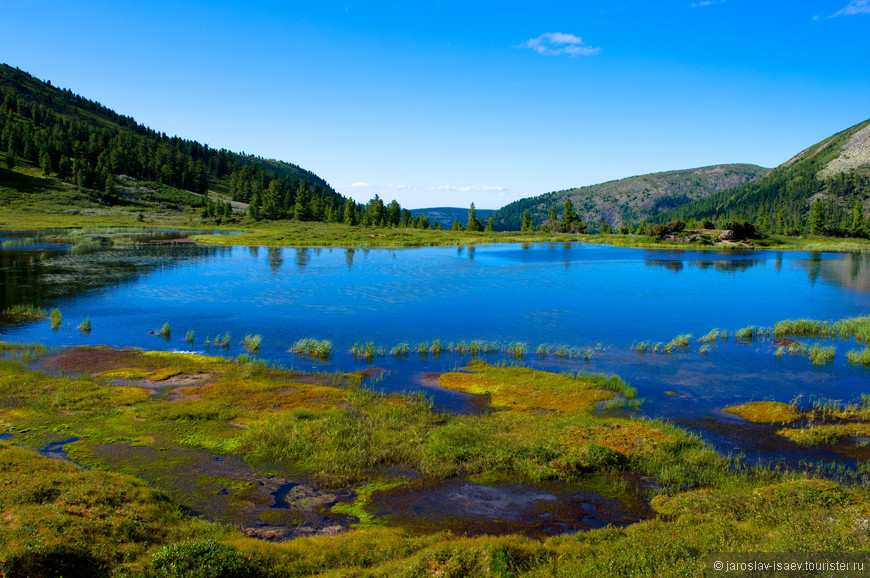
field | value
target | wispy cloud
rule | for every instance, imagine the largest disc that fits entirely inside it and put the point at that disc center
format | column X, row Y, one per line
column 703, row 3
column 853, row 7
column 558, row 43
column 359, row 185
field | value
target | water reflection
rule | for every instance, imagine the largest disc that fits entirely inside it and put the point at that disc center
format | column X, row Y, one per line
column 348, row 258
column 850, row 271
column 721, row 266
column 302, row 256
column 43, row 277
column 275, row 258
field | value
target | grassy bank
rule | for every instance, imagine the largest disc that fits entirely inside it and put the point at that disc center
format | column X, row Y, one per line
column 162, row 416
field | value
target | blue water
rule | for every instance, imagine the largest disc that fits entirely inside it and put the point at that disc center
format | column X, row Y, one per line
column 579, row 295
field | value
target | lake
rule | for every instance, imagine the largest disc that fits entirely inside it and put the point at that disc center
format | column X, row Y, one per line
column 596, row 299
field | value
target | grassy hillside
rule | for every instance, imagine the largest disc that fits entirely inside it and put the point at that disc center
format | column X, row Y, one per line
column 103, row 155
column 630, row 200
column 831, row 178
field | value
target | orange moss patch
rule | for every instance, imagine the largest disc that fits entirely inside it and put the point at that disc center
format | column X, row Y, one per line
column 765, row 412
column 627, row 438
column 523, row 389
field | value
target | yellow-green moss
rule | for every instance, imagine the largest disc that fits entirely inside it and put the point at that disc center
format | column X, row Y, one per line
column 765, row 412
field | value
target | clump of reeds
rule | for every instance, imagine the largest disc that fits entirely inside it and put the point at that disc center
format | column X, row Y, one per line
column 164, row 331
column 435, row 348
column 642, row 347
column 56, row 318
column 704, row 348
column 821, row 355
column 746, row 332
column 85, row 326
column 857, row 327
column 317, row 348
column 401, row 350
column 423, row 348
column 26, row 311
column 859, row 357
column 516, row 349
column 543, row 350
column 220, row 340
column 189, row 336
column 803, row 328
column 710, row 337
column 681, row 340
column 86, row 246
column 251, row 343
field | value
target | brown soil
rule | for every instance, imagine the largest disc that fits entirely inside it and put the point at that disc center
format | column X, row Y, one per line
column 91, row 359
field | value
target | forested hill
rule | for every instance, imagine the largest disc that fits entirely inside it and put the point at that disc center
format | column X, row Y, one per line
column 84, row 143
column 631, row 200
column 446, row 215
column 831, row 177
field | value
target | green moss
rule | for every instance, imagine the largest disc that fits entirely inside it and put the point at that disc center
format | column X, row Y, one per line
column 765, row 412
column 357, row 508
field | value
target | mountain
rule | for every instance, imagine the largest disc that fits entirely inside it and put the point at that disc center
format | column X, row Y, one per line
column 630, row 200
column 445, row 215
column 835, row 172
column 67, row 138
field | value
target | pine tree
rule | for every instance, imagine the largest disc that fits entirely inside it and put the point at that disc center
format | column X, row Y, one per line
column 457, row 226
column 817, row 218
column 489, row 225
column 348, row 216
column 857, row 227
column 474, row 223
column 527, row 221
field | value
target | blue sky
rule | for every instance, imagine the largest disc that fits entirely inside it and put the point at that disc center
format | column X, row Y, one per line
column 448, row 102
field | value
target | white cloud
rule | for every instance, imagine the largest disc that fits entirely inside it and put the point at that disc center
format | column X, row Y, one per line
column 854, row 7
column 464, row 189
column 558, row 43
column 438, row 188
column 707, row 3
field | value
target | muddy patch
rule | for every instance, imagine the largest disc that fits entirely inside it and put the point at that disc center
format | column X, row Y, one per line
column 225, row 489
column 78, row 360
column 466, row 508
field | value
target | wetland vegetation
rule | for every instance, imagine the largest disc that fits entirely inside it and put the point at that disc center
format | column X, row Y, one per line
column 153, row 415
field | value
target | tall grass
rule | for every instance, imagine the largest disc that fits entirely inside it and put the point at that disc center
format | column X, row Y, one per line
column 164, row 331
column 821, row 355
column 310, row 347
column 86, row 246
column 189, row 335
column 516, row 349
column 710, row 337
column 26, row 310
column 859, row 357
column 56, row 318
column 85, row 326
column 401, row 350
column 251, row 343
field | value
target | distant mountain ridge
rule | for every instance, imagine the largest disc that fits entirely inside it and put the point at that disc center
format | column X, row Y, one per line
column 630, row 200
column 835, row 171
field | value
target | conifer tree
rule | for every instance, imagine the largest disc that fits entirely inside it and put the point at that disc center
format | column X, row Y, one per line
column 527, row 221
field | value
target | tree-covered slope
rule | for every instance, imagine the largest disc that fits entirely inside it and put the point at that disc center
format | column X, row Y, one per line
column 834, row 172
column 83, row 143
column 446, row 215
column 630, row 200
